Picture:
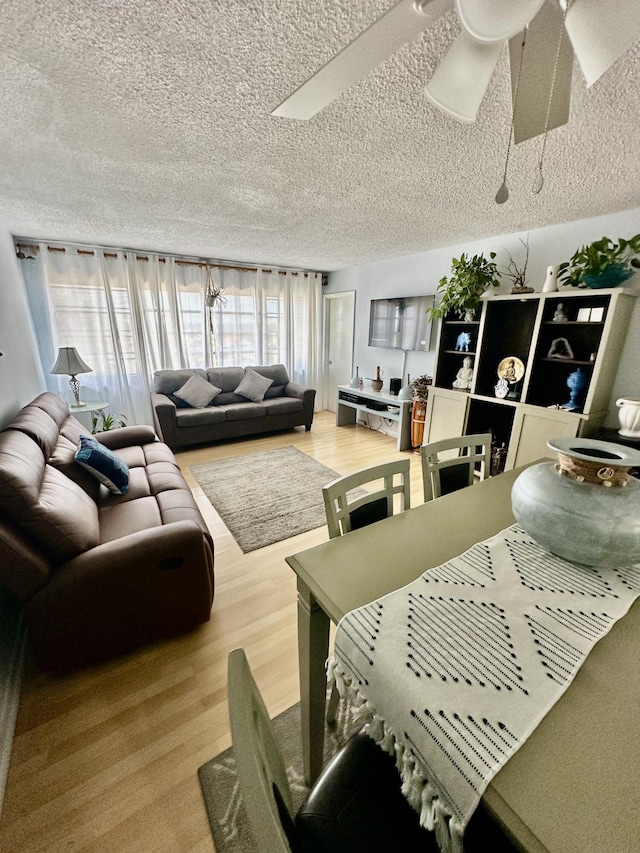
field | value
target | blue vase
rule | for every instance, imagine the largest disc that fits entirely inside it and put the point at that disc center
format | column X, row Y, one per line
column 576, row 382
column 611, row 277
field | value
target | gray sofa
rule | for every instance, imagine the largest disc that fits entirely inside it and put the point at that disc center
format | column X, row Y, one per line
column 285, row 405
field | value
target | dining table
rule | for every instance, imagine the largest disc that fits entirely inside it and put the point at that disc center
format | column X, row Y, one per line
column 573, row 786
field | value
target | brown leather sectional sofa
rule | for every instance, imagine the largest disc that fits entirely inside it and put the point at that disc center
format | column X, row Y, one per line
column 229, row 415
column 98, row 573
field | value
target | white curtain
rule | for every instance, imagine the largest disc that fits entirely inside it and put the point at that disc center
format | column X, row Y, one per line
column 131, row 313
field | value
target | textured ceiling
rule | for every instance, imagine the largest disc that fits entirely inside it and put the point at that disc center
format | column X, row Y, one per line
column 147, row 125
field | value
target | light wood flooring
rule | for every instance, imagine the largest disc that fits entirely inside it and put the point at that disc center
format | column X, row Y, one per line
column 106, row 759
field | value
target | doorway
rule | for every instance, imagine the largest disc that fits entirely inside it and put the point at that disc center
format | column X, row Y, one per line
column 339, row 319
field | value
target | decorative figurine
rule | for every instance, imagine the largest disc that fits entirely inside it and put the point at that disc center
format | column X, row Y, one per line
column 464, row 375
column 560, row 316
column 510, row 372
column 576, row 382
column 560, row 348
column 462, row 344
column 501, row 388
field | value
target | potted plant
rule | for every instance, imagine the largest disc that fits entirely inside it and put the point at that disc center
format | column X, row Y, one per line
column 460, row 293
column 517, row 273
column 104, row 423
column 420, row 391
column 603, row 263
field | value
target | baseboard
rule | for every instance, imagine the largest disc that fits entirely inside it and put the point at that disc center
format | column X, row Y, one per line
column 12, row 646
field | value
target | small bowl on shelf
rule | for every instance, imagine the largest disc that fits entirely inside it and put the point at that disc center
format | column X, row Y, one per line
column 393, row 409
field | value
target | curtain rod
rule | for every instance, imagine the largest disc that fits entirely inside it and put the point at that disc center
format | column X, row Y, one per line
column 163, row 260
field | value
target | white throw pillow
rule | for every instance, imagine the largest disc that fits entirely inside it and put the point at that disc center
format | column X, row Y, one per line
column 197, row 392
column 253, row 386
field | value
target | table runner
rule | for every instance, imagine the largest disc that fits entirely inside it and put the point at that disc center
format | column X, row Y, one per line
column 454, row 671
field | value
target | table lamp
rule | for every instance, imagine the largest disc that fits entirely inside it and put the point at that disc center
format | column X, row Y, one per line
column 70, row 364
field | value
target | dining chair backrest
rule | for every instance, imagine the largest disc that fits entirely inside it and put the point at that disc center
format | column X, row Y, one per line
column 356, row 803
column 259, row 763
column 348, row 506
column 450, row 464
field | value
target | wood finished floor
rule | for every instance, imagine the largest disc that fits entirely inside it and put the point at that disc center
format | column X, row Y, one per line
column 105, row 759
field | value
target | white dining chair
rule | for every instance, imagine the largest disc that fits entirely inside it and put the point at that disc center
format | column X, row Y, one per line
column 454, row 463
column 356, row 804
column 349, row 506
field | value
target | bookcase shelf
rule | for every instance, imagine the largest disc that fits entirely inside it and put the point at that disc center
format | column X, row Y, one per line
column 537, row 407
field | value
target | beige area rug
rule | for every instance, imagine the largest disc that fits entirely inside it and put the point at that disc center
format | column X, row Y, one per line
column 267, row 496
column 221, row 790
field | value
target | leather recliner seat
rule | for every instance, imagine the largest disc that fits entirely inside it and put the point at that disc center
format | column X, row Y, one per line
column 98, row 573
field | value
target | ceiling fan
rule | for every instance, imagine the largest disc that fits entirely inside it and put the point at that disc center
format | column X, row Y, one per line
column 600, row 31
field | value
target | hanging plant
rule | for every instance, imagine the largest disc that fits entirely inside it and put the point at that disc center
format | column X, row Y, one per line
column 213, row 295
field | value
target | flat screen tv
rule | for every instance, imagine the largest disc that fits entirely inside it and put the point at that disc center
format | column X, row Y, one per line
column 401, row 323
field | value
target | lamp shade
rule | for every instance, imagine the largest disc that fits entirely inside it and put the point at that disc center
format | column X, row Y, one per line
column 69, row 362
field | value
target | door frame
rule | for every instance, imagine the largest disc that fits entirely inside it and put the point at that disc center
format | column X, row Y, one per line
column 329, row 393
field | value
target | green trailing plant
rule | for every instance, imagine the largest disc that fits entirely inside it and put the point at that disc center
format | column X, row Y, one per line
column 104, row 423
column 420, row 388
column 461, row 291
column 599, row 257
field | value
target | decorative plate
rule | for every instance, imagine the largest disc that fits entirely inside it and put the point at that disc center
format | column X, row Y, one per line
column 511, row 369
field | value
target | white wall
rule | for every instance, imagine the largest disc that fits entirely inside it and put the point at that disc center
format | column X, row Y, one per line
column 20, row 375
column 20, row 381
column 419, row 274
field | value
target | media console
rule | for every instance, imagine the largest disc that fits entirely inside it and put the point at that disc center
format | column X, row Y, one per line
column 350, row 401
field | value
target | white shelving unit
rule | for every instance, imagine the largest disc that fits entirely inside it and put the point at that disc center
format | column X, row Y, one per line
column 347, row 410
column 525, row 326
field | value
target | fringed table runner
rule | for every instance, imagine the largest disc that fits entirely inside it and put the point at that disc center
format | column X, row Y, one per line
column 454, row 671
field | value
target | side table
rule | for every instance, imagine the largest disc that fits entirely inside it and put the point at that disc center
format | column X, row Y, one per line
column 94, row 407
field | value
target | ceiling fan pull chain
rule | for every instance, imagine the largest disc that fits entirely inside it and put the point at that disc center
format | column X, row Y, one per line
column 503, row 193
column 538, row 180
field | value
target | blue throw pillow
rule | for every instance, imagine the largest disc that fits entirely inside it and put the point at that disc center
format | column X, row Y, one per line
column 111, row 470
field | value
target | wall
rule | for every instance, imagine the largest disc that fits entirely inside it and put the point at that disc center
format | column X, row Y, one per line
column 20, row 381
column 20, row 375
column 419, row 274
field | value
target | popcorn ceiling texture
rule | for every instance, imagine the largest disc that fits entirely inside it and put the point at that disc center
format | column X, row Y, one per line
column 147, row 125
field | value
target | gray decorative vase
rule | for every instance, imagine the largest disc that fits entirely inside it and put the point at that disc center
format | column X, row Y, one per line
column 584, row 508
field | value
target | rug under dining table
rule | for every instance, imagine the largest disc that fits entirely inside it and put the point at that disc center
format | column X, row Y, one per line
column 454, row 671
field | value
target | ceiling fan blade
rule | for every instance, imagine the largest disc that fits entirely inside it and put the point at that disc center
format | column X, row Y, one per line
column 601, row 33
column 460, row 81
column 393, row 30
column 536, row 76
column 491, row 21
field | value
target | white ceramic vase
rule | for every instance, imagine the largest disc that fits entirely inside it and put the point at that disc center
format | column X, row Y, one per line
column 577, row 517
column 629, row 416
column 551, row 281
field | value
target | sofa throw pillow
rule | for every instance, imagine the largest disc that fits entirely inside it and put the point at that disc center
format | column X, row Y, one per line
column 253, row 386
column 109, row 469
column 197, row 392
